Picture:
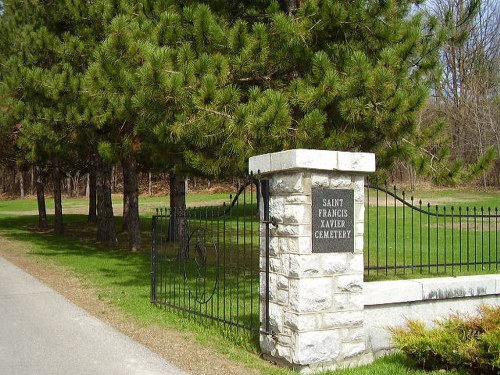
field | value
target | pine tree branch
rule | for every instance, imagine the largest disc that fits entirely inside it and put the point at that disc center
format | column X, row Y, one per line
column 254, row 79
column 214, row 112
column 172, row 71
column 432, row 155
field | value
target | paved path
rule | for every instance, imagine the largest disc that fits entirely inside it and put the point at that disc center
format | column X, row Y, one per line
column 41, row 333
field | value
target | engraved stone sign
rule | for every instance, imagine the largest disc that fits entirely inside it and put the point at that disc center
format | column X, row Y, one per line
column 332, row 220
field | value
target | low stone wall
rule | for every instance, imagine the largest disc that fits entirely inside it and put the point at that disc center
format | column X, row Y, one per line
column 390, row 303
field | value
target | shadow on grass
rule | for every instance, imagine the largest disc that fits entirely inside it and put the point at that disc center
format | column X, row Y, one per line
column 121, row 276
column 78, row 249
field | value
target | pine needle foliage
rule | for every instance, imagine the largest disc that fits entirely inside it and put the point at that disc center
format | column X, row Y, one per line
column 47, row 52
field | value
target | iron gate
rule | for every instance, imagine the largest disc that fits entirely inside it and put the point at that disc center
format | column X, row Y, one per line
column 205, row 260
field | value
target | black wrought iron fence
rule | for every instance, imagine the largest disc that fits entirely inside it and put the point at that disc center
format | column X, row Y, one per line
column 205, row 261
column 404, row 236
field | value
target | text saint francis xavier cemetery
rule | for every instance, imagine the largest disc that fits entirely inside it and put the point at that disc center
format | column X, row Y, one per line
column 332, row 220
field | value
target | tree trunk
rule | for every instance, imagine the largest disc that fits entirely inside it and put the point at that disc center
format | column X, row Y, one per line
column 40, row 198
column 58, row 214
column 75, row 181
column 92, row 191
column 106, row 232
column 32, row 181
column 178, row 230
column 150, row 184
column 131, row 221
column 20, row 178
column 126, row 193
column 113, row 179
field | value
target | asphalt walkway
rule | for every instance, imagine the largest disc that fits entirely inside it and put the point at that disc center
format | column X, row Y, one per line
column 41, row 332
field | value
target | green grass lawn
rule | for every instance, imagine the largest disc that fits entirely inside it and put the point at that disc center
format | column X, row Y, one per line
column 463, row 198
column 123, row 278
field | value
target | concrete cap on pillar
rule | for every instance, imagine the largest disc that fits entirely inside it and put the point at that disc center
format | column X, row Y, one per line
column 360, row 162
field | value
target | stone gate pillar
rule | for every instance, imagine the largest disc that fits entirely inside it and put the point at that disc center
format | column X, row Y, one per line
column 316, row 257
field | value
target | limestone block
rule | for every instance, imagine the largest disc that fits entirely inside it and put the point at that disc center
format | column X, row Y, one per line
column 285, row 340
column 287, row 184
column 359, row 243
column 259, row 163
column 496, row 280
column 348, row 301
column 359, row 228
column 296, row 214
column 282, row 282
column 310, row 295
column 305, row 265
column 274, row 265
column 341, row 181
column 282, row 297
column 262, row 235
column 304, row 159
column 274, row 246
column 273, row 287
column 316, row 347
column 359, row 213
column 320, row 180
column 295, row 245
column 267, row 343
column 356, row 161
column 277, row 208
column 292, row 230
column 359, row 199
column 353, row 349
column 336, row 263
column 352, row 334
column 289, row 245
column 263, row 261
column 341, row 319
column 357, row 263
column 348, row 283
column 286, row 230
column 262, row 288
column 359, row 183
column 298, row 199
column 276, row 317
column 392, row 292
column 285, row 265
column 313, row 160
column 453, row 287
column 282, row 351
column 302, row 322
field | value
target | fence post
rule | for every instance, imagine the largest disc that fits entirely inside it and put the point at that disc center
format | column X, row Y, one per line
column 154, row 255
column 315, row 258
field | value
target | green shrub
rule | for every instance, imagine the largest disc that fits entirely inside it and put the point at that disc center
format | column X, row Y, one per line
column 464, row 342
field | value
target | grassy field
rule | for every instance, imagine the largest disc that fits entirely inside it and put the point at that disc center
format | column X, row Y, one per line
column 122, row 279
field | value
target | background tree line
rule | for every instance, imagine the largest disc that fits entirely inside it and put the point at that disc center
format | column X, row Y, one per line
column 468, row 94
column 194, row 88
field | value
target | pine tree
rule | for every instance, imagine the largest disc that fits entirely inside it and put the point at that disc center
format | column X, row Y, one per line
column 19, row 50
column 355, row 74
column 52, row 44
column 218, row 88
column 111, row 83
